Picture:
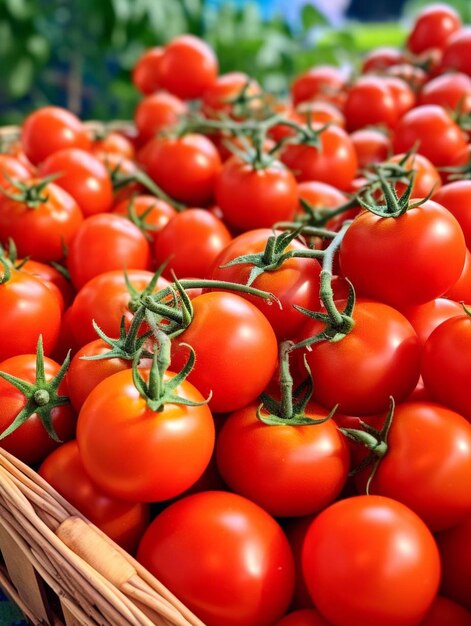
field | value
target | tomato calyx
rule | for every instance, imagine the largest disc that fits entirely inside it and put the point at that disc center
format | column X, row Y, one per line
column 290, row 410
column 41, row 396
column 156, row 391
column 6, row 273
column 140, row 220
column 395, row 205
column 32, row 194
column 458, row 172
column 376, row 441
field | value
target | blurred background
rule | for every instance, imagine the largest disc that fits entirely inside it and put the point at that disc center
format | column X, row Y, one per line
column 79, row 53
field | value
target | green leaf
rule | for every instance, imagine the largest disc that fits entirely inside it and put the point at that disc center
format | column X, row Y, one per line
column 312, row 17
column 21, row 77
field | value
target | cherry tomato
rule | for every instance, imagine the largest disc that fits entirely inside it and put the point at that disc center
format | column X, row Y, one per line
column 433, row 27
column 380, row 58
column 112, row 143
column 12, row 168
column 157, row 112
column 149, row 213
column 220, row 97
column 145, row 73
column 451, row 91
column 456, row 196
column 455, row 552
column 370, row 101
column 323, row 81
column 371, row 146
column 457, row 52
column 445, row 611
column 426, row 317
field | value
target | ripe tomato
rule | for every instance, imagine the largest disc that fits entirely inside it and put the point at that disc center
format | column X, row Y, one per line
column 451, row 91
column 426, row 175
column 426, row 317
column 456, row 197
column 219, row 97
column 455, row 552
column 325, row 82
column 370, row 560
column 379, row 358
column 315, row 461
column 320, row 195
column 190, row 544
column 187, row 67
column 372, row 254
column 112, row 143
column 380, row 58
column 433, row 27
column 255, row 198
column 51, row 277
column 11, row 167
column 445, row 611
column 461, row 290
column 157, row 112
column 83, row 176
column 139, row 454
column 321, row 112
column 236, row 350
column 149, row 213
column 186, row 168
column 190, row 242
column 370, row 101
column 106, row 242
column 123, row 522
column 61, row 127
column 457, row 52
column 145, row 73
column 371, row 146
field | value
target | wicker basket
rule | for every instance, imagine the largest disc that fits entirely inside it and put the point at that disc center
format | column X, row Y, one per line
column 61, row 570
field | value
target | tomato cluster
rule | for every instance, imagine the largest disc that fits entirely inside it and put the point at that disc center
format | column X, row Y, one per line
column 246, row 318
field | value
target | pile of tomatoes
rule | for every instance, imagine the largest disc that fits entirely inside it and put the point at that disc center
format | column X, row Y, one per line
column 234, row 333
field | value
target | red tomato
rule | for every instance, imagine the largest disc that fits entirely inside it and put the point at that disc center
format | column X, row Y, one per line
column 430, row 127
column 402, row 93
column 83, row 176
column 433, row 27
column 325, row 82
column 219, row 97
column 372, row 254
column 236, row 350
column 315, row 462
column 304, row 617
column 426, row 175
column 335, row 162
column 371, row 146
column 145, row 73
column 370, row 101
column 370, row 560
column 30, row 442
column 186, row 168
column 187, row 68
column 106, row 242
column 295, row 282
column 455, row 552
column 61, row 128
column 123, row 522
column 190, row 544
column 380, row 58
column 157, row 112
column 112, row 143
column 446, row 364
column 426, row 317
column 139, row 454
column 461, row 290
column 255, row 198
column 51, row 277
column 11, row 167
column 456, row 197
column 321, row 195
column 149, row 213
column 320, row 112
column 445, row 611
column 379, row 358
column 451, row 91
column 190, row 242
column 457, row 52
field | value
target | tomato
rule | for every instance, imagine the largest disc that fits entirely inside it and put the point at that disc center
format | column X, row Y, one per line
column 413, row 75
column 370, row 560
column 457, row 52
column 402, row 93
column 186, row 167
column 451, row 91
column 433, row 27
column 106, row 242
column 446, row 364
column 315, row 462
column 305, row 617
column 379, row 358
column 371, row 146
column 139, row 454
column 121, row 167
column 123, row 522
column 369, row 102
column 380, row 58
column 157, row 112
column 149, row 213
column 43, row 228
column 372, row 254
column 455, row 552
column 426, row 317
column 105, row 299
column 236, row 350
column 426, row 175
column 334, row 162
column 250, row 197
column 321, row 195
column 61, row 127
column 461, row 290
column 30, row 442
column 11, row 167
column 320, row 112
column 325, row 82
column 145, row 73
column 219, row 97
column 190, row 544
column 445, row 611
column 51, row 277
column 29, row 308
column 83, row 176
column 112, row 143
column 295, row 282
column 190, row 242
column 187, row 68
column 456, row 196
column 421, row 126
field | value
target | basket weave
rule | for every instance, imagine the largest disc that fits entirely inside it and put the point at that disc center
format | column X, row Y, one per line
column 43, row 539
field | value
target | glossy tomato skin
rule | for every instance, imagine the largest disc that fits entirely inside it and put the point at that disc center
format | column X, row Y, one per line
column 137, row 454
column 428, row 464
column 30, row 442
column 456, row 197
column 446, row 364
column 315, row 465
column 370, row 560
column 83, row 176
column 186, row 167
column 371, row 146
column 445, row 611
column 61, row 127
column 29, row 308
column 406, row 260
column 461, row 290
column 380, row 58
column 103, row 243
column 190, row 242
column 157, row 212
column 159, row 111
column 218, row 98
column 236, row 350
column 433, row 27
column 252, row 198
column 370, row 101
column 379, row 358
column 190, row 544
column 295, row 282
column 43, row 231
column 426, row 317
column 52, row 278
column 123, row 522
column 325, row 82
column 455, row 552
column 11, row 167
column 457, row 52
column 334, row 163
column 426, row 179
column 303, row 617
column 145, row 75
column 113, row 142
column 451, row 91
